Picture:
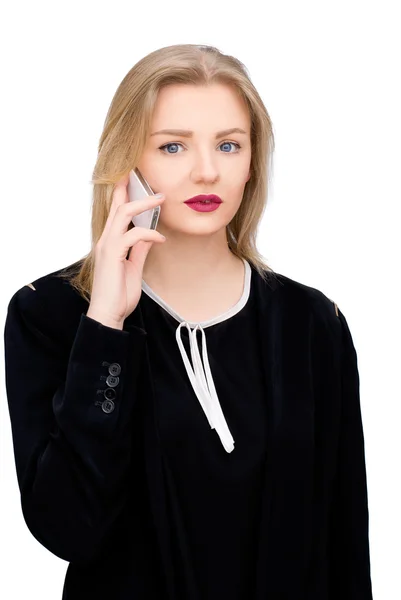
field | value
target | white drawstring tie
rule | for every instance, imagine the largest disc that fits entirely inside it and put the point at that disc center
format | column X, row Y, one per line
column 204, row 387
column 202, row 380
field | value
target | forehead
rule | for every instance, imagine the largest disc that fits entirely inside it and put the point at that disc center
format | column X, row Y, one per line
column 207, row 108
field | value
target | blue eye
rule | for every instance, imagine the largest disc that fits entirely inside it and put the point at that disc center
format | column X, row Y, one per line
column 233, row 144
column 167, row 145
column 161, row 148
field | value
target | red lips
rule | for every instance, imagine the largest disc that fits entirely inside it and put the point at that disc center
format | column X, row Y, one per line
column 200, row 197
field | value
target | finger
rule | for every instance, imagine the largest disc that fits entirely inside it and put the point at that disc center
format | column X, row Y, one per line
column 141, row 245
column 138, row 253
column 120, row 196
column 125, row 214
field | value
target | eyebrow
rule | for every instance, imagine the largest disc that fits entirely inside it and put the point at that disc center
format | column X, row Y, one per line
column 188, row 133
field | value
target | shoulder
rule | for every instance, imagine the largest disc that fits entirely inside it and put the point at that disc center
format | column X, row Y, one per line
column 298, row 303
column 48, row 305
column 307, row 308
column 298, row 294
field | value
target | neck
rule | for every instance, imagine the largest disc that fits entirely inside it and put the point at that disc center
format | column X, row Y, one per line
column 189, row 266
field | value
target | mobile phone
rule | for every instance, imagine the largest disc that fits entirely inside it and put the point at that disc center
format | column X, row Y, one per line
column 137, row 189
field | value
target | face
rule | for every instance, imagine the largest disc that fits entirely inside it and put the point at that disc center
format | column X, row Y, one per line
column 182, row 167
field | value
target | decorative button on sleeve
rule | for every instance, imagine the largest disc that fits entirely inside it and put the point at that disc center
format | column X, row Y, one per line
column 112, row 381
column 110, row 393
column 108, row 406
column 114, row 369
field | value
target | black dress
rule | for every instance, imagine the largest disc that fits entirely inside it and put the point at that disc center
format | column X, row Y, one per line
column 214, row 492
column 122, row 475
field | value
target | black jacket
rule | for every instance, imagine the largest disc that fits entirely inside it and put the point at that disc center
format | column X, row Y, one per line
column 90, row 466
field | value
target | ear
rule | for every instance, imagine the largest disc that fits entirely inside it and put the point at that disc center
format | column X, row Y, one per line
column 249, row 175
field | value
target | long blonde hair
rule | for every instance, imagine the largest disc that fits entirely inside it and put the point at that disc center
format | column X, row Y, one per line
column 125, row 133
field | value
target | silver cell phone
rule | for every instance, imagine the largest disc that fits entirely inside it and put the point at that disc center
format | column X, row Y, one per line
column 137, row 189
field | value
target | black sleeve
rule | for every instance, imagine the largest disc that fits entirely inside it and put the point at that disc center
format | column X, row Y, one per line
column 349, row 557
column 72, row 446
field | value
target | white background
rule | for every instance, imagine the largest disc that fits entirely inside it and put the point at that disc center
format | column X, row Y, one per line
column 329, row 74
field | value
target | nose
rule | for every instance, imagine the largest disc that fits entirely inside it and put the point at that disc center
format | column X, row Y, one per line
column 205, row 167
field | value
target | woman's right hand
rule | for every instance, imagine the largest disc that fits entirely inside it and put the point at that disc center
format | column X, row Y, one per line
column 117, row 281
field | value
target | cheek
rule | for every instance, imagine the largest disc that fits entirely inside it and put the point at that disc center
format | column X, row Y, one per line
column 238, row 174
column 236, row 184
column 167, row 183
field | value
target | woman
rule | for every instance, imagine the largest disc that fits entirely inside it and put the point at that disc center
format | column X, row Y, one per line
column 162, row 463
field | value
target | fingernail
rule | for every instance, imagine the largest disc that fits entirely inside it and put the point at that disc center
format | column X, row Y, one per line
column 160, row 195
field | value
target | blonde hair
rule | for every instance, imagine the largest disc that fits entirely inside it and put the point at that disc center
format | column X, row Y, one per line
column 125, row 133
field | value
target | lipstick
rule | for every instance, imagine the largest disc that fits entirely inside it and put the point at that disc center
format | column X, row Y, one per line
column 204, row 202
